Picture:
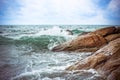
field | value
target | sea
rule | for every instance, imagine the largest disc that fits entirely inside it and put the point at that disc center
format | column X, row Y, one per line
column 25, row 52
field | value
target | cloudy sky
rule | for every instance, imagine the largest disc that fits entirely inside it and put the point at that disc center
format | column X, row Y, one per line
column 60, row 12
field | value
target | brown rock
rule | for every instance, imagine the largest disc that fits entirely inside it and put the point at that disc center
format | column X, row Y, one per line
column 118, row 29
column 112, row 66
column 84, row 42
column 112, row 37
column 106, row 61
column 90, row 42
column 87, row 49
column 106, row 31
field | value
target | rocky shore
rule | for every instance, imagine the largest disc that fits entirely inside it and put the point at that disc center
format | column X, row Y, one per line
column 105, row 45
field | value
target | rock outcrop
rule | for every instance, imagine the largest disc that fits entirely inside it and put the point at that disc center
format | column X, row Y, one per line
column 106, row 61
column 105, row 45
column 106, row 31
column 90, row 42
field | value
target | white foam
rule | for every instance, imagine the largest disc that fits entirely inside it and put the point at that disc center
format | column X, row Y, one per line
column 57, row 78
column 36, row 73
column 54, row 31
column 93, row 71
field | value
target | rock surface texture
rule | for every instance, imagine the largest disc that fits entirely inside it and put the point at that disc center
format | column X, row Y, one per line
column 105, row 45
column 106, row 61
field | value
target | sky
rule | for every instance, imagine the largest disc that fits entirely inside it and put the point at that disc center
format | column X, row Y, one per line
column 99, row 12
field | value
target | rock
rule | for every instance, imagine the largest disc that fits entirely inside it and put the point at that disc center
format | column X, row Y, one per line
column 105, row 31
column 69, row 32
column 82, row 42
column 83, row 33
column 106, row 61
column 87, row 49
column 90, row 42
column 118, row 29
column 112, row 37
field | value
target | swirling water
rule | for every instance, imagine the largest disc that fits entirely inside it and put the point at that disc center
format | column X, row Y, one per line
column 25, row 52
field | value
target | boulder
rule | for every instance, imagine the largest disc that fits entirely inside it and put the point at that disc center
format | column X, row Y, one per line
column 107, row 31
column 106, row 61
column 91, row 41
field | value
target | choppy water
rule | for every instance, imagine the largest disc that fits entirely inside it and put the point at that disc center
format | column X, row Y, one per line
column 25, row 53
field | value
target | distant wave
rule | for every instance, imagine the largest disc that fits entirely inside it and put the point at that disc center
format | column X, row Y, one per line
column 38, row 37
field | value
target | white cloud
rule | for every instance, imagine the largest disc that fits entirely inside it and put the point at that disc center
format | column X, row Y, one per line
column 59, row 12
column 72, row 7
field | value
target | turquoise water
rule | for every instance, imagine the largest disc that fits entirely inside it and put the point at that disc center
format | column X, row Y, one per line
column 25, row 52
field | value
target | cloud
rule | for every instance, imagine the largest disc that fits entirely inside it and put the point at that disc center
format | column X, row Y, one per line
column 61, row 12
column 57, row 11
column 55, row 8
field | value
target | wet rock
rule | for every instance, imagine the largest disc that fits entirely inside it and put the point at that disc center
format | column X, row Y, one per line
column 105, row 43
column 69, row 32
column 106, row 61
column 83, row 33
column 88, row 42
column 82, row 42
column 91, row 41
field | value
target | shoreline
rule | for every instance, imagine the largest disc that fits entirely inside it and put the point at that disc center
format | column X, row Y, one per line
column 105, row 59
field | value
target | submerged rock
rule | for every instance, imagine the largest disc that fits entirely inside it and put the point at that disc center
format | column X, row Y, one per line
column 69, row 32
column 106, row 61
column 91, row 41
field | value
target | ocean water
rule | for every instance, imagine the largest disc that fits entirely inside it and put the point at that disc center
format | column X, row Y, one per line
column 25, row 52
